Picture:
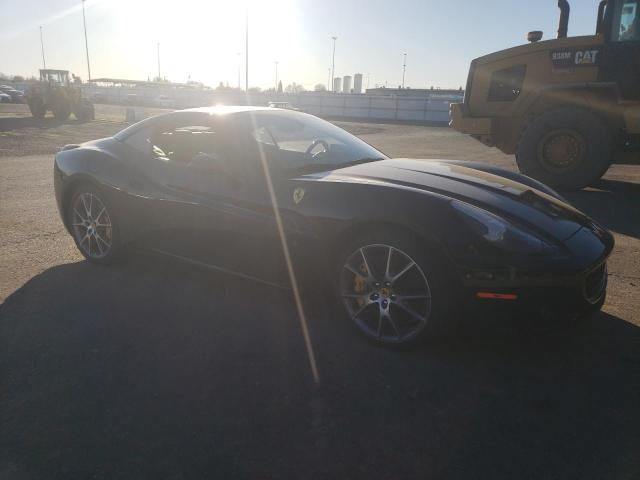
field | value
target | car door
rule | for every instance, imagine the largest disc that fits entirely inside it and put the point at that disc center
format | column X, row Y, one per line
column 233, row 219
column 158, row 154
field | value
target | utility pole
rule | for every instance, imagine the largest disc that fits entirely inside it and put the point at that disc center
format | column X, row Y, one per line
column 246, row 52
column 239, row 86
column 159, row 77
column 404, row 68
column 44, row 64
column 276, row 77
column 86, row 43
column 333, row 62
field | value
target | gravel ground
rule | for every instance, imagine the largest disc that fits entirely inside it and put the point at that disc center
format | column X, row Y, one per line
column 157, row 370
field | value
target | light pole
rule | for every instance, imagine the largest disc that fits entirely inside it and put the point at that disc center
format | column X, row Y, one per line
column 246, row 53
column 276, row 89
column 86, row 43
column 404, row 68
column 329, row 80
column 333, row 62
column 159, row 77
column 44, row 64
column 239, row 86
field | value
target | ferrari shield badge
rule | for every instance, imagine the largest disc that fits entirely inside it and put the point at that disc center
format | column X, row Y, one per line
column 298, row 195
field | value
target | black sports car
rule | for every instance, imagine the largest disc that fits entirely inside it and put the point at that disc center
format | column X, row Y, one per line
column 259, row 192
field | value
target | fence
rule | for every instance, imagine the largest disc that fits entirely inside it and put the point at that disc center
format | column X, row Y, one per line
column 428, row 108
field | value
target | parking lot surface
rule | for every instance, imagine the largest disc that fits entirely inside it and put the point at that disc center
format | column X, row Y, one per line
column 153, row 369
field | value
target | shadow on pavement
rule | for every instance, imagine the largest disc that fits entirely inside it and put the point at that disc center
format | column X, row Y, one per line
column 613, row 203
column 157, row 370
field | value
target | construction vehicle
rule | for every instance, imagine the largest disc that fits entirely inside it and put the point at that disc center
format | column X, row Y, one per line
column 56, row 93
column 565, row 106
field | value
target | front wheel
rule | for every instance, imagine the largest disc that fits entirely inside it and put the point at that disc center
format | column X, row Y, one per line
column 93, row 225
column 37, row 108
column 565, row 148
column 391, row 290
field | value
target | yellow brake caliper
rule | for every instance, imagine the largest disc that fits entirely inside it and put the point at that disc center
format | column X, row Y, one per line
column 360, row 283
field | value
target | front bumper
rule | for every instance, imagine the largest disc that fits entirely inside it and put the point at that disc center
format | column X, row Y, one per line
column 571, row 282
column 479, row 128
column 562, row 293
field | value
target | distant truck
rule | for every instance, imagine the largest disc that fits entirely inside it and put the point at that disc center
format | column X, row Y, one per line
column 54, row 92
column 562, row 106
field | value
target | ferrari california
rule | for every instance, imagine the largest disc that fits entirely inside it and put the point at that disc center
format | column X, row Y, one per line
column 273, row 195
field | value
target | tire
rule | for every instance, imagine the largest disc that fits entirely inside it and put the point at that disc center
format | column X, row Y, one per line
column 543, row 146
column 62, row 111
column 37, row 108
column 362, row 300
column 94, row 230
column 85, row 111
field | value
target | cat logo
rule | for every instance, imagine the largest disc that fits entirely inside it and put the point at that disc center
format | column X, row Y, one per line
column 298, row 195
column 576, row 57
column 588, row 57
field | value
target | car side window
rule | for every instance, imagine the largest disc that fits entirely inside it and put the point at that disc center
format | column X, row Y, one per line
column 182, row 145
column 188, row 144
column 140, row 141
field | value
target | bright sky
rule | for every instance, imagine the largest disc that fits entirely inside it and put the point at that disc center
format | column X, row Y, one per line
column 202, row 38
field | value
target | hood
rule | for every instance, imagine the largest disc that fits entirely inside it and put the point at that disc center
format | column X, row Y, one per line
column 511, row 200
column 542, row 46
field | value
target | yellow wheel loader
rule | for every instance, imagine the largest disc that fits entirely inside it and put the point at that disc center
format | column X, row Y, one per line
column 55, row 92
column 562, row 106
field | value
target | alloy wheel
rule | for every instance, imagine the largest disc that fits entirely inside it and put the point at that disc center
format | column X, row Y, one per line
column 386, row 293
column 92, row 226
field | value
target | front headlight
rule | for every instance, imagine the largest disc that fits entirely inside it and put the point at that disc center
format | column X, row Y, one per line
column 498, row 232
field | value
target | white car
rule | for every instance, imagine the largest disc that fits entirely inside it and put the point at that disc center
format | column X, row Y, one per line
column 5, row 98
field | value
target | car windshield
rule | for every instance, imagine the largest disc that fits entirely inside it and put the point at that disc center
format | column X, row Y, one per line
column 299, row 141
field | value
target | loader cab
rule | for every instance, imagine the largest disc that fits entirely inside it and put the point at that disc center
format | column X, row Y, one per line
column 55, row 78
column 620, row 24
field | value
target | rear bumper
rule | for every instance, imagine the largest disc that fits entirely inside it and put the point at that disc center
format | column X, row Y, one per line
column 479, row 128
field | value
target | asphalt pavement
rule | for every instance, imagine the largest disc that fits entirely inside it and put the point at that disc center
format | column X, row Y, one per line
column 154, row 369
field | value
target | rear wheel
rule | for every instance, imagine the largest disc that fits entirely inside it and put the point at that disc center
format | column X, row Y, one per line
column 61, row 109
column 391, row 290
column 565, row 148
column 93, row 225
column 85, row 111
column 37, row 108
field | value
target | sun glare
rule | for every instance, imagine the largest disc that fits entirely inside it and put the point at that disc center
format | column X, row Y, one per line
column 205, row 40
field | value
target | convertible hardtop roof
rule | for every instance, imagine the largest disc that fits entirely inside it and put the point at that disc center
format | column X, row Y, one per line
column 218, row 110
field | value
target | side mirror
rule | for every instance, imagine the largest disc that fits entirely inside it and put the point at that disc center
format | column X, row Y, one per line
column 534, row 36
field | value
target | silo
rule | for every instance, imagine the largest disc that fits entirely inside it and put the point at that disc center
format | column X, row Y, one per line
column 337, row 85
column 346, row 84
column 357, row 83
